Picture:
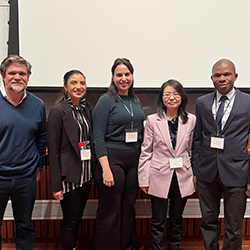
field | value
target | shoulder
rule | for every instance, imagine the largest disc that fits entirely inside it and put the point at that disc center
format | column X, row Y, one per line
column 59, row 109
column 191, row 116
column 243, row 95
column 153, row 118
column 206, row 97
column 138, row 101
column 34, row 99
column 104, row 104
column 191, row 119
column 105, row 98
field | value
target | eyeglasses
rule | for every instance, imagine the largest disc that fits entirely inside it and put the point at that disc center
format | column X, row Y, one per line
column 168, row 95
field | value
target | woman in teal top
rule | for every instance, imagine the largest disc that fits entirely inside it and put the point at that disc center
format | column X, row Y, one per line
column 118, row 133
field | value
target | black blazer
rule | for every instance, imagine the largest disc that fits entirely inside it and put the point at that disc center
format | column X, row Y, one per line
column 232, row 161
column 63, row 138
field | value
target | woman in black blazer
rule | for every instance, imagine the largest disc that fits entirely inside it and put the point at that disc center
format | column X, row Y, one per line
column 71, row 154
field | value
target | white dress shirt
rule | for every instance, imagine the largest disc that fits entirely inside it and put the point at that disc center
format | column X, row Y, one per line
column 227, row 108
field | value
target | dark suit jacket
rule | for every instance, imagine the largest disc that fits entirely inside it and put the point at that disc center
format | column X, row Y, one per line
column 63, row 138
column 232, row 161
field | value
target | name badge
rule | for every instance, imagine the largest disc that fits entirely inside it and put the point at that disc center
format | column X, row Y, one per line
column 131, row 136
column 85, row 154
column 176, row 162
column 217, row 142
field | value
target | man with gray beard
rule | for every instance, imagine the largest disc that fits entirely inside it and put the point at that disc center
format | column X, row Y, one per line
column 22, row 147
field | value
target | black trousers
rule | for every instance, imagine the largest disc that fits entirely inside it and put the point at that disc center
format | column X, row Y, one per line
column 73, row 204
column 210, row 195
column 116, row 212
column 159, row 217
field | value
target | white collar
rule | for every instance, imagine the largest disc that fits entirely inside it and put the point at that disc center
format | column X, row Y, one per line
column 229, row 95
column 2, row 89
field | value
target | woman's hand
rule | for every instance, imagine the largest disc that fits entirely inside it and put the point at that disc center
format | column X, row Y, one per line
column 144, row 189
column 107, row 175
column 58, row 195
column 108, row 179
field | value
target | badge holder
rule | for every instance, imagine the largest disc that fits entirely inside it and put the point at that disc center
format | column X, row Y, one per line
column 217, row 141
column 85, row 150
column 131, row 135
column 176, row 162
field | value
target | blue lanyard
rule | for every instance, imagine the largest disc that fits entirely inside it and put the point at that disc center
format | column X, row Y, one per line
column 129, row 111
column 216, row 105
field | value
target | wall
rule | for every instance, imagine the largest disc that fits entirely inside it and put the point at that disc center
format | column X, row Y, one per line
column 148, row 100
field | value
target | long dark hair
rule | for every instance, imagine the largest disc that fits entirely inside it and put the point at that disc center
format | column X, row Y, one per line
column 113, row 89
column 66, row 77
column 161, row 108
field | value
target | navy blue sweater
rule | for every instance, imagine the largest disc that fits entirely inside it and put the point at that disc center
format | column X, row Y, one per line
column 22, row 137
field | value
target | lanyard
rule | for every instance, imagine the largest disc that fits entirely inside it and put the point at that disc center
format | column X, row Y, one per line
column 216, row 105
column 216, row 110
column 129, row 111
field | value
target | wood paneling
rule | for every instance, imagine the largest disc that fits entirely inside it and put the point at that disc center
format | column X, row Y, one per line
column 51, row 228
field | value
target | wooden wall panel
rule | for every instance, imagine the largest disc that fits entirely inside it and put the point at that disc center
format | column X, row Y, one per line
column 52, row 228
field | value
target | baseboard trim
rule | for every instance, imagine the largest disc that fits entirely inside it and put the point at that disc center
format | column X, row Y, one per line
column 51, row 209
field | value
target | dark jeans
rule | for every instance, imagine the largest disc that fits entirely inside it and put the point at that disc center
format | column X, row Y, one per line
column 23, row 193
column 73, row 205
column 116, row 212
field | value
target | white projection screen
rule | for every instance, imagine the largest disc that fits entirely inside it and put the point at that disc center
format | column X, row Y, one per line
column 164, row 39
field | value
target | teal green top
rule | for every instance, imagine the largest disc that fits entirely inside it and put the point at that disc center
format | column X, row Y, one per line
column 110, row 121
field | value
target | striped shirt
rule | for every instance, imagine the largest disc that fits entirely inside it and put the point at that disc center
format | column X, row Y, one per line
column 84, row 128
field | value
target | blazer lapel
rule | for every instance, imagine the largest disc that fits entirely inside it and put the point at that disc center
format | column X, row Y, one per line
column 71, row 127
column 164, row 130
column 234, row 111
column 209, row 107
column 180, row 133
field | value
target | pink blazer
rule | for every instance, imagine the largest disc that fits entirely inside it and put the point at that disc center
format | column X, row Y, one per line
column 154, row 164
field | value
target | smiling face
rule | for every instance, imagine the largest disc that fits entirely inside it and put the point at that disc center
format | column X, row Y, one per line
column 16, row 78
column 76, row 88
column 171, row 98
column 223, row 77
column 123, row 79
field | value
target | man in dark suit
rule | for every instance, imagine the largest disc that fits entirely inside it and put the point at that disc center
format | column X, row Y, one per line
column 220, row 157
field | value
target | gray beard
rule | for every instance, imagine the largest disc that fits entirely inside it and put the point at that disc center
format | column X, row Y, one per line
column 17, row 89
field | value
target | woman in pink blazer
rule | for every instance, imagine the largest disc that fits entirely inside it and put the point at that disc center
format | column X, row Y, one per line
column 164, row 168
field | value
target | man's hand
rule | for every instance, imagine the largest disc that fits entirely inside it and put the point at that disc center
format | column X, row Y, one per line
column 38, row 175
column 248, row 190
column 144, row 189
column 195, row 182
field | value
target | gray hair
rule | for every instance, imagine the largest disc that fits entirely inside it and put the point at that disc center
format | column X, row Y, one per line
column 14, row 59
